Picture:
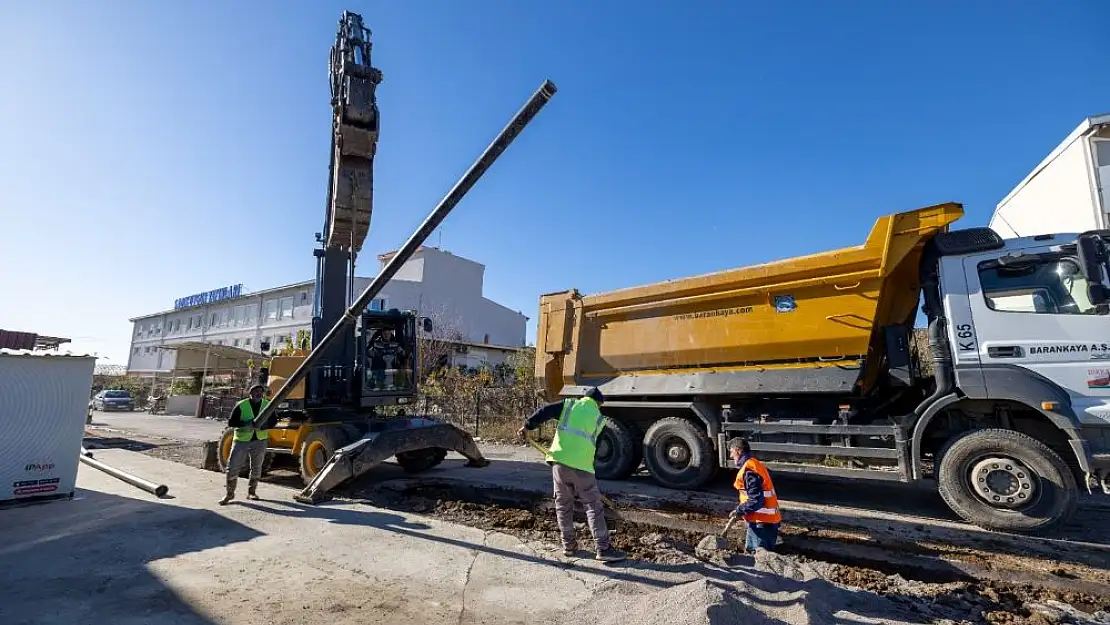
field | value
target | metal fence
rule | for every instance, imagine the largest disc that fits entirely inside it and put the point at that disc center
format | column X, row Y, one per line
column 489, row 413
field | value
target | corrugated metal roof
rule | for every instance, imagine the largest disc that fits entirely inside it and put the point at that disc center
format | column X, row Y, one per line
column 42, row 354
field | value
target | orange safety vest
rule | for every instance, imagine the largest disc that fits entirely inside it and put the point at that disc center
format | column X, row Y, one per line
column 769, row 513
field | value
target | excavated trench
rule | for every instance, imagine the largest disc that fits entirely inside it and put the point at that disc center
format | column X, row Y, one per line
column 848, row 563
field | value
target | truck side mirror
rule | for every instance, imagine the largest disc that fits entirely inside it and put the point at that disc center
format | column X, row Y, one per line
column 1093, row 259
column 427, row 325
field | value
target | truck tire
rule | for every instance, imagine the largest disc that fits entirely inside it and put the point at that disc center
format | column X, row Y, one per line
column 421, row 459
column 317, row 448
column 620, row 450
column 223, row 451
column 1005, row 480
column 679, row 454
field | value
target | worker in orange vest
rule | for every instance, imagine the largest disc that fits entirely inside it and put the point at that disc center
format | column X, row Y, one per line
column 759, row 504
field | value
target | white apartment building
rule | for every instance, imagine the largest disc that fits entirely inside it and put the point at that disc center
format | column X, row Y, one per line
column 435, row 283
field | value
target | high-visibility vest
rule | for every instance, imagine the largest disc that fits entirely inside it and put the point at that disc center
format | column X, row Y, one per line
column 246, row 414
column 769, row 513
column 575, row 442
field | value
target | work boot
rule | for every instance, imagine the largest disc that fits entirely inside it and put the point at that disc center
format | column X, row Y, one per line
column 252, row 486
column 229, row 496
column 610, row 555
column 570, row 550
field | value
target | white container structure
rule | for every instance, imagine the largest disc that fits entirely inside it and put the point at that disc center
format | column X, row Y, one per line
column 1069, row 191
column 44, row 399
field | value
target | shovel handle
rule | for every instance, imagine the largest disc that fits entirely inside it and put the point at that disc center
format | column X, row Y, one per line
column 728, row 525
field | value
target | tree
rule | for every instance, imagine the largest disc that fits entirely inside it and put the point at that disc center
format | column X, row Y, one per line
column 437, row 347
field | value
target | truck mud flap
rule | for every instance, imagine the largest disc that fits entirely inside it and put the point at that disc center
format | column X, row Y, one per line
column 384, row 441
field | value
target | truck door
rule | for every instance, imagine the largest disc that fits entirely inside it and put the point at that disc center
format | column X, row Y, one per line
column 1035, row 314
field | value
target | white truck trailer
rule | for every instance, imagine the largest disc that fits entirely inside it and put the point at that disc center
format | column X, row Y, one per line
column 1069, row 191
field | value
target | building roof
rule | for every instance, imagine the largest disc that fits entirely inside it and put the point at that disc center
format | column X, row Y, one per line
column 388, row 255
column 244, row 296
column 41, row 354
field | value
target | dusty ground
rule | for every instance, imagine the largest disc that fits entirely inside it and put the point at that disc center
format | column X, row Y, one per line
column 530, row 517
column 936, row 568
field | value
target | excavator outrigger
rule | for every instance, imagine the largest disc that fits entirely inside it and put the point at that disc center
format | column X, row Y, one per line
column 327, row 399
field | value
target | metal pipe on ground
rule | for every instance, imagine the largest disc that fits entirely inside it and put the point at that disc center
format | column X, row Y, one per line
column 158, row 490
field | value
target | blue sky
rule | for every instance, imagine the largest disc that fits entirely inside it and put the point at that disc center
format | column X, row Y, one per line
column 151, row 150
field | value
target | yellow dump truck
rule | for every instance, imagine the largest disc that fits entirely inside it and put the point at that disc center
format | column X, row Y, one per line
column 811, row 359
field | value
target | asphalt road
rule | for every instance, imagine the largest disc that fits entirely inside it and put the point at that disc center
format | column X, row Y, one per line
column 164, row 426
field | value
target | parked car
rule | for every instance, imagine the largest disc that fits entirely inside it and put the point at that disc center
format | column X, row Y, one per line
column 113, row 400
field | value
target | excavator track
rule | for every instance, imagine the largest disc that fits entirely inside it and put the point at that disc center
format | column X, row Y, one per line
column 355, row 124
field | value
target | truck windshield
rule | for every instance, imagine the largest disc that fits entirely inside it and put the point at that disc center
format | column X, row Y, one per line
column 1050, row 286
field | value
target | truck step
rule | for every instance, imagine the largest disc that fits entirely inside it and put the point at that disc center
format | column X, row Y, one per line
column 813, row 469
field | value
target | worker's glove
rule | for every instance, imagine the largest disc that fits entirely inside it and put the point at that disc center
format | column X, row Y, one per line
column 522, row 433
column 732, row 515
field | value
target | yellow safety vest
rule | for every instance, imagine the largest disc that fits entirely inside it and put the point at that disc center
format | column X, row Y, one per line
column 575, row 442
column 246, row 413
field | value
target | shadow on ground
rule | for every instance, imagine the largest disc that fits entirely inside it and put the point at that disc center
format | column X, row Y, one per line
column 85, row 560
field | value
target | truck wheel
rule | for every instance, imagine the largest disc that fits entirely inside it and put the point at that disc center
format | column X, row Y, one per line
column 1005, row 480
column 421, row 459
column 317, row 448
column 619, row 450
column 679, row 454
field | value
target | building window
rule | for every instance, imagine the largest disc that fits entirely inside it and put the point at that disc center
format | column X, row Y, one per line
column 304, row 297
column 247, row 342
column 270, row 310
column 146, row 350
column 486, row 340
column 213, row 320
column 235, row 343
column 379, row 303
column 136, row 350
column 1050, row 287
column 285, row 310
column 220, row 342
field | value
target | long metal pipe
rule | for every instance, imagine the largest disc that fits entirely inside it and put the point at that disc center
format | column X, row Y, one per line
column 159, row 490
column 510, row 132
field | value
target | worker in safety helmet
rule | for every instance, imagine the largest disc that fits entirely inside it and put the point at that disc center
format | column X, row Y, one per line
column 759, row 505
column 572, row 468
column 249, row 444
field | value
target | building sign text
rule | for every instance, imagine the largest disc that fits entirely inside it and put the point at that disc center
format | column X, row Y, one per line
column 214, row 295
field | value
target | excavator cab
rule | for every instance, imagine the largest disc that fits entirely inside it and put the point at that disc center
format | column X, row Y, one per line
column 388, row 351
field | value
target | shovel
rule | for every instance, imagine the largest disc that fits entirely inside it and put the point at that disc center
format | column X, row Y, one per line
column 608, row 503
column 718, row 542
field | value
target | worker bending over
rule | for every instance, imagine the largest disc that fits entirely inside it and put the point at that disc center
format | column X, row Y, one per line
column 572, row 468
column 249, row 444
column 759, row 505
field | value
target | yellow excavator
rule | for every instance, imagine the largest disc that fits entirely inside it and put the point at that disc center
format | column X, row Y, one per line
column 328, row 388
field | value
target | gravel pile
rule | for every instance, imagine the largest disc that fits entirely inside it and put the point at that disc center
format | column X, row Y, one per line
column 797, row 596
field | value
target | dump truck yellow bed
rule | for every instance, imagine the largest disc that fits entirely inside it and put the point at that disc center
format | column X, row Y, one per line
column 805, row 313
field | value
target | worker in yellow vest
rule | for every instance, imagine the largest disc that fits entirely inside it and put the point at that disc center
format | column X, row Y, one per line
column 249, row 444
column 759, row 503
column 572, row 468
